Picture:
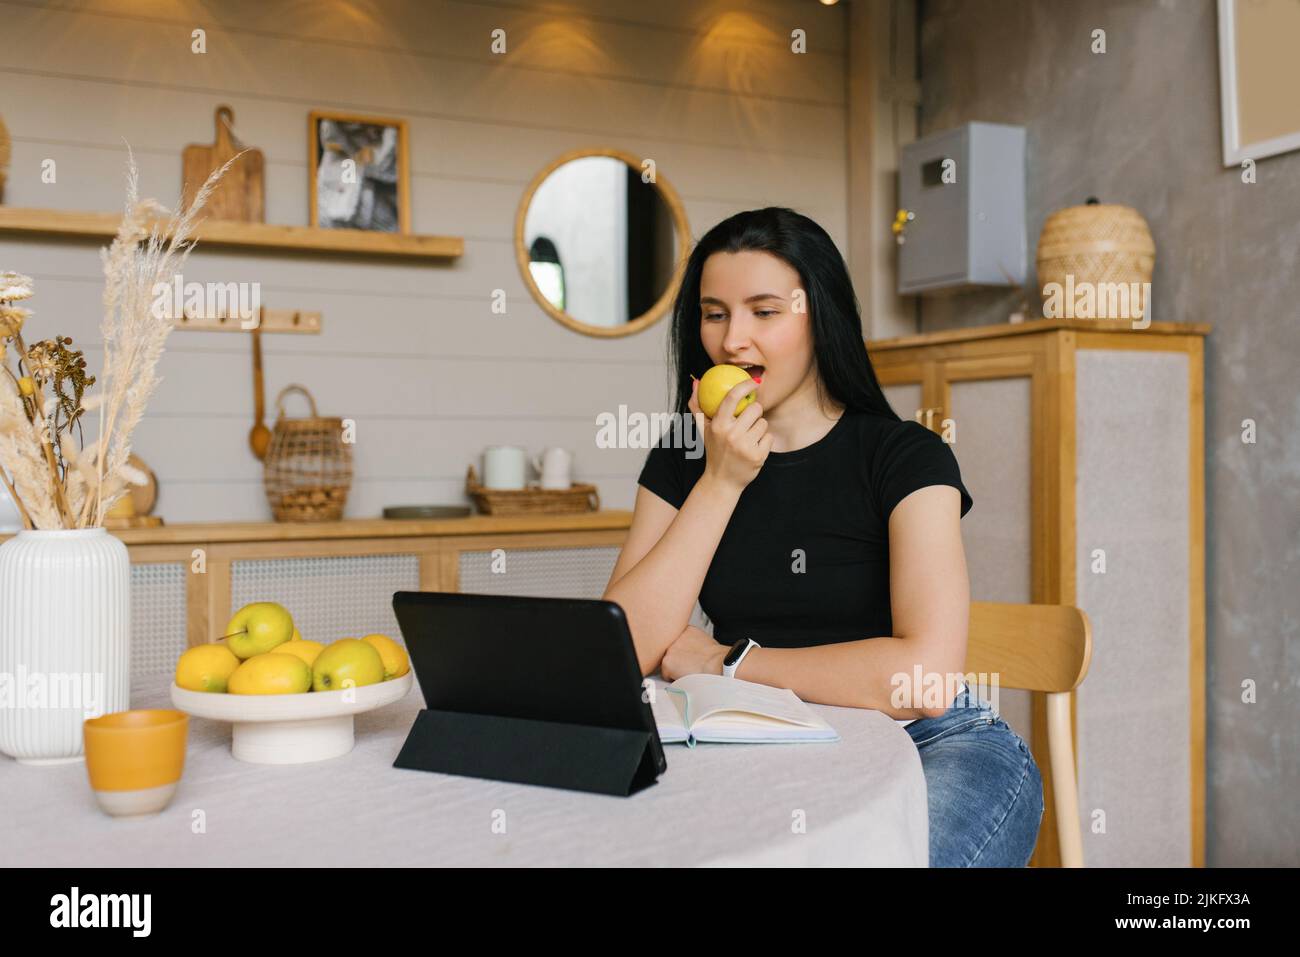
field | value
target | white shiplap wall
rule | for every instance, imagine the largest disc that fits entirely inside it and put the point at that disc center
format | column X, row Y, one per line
column 708, row 89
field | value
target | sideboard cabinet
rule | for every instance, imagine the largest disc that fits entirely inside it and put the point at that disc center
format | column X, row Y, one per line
column 1082, row 445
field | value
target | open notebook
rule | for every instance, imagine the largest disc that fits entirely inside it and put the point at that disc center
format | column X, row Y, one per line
column 714, row 709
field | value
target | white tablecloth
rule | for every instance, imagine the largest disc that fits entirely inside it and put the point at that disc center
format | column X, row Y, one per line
column 861, row 800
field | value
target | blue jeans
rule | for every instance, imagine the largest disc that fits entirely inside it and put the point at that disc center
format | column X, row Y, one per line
column 985, row 793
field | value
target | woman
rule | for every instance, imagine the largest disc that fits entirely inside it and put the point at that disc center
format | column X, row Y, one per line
column 819, row 525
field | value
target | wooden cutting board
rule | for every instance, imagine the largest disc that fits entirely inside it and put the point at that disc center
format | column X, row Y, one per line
column 239, row 195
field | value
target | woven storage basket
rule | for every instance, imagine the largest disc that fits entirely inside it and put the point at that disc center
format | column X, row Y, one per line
column 532, row 501
column 308, row 466
column 1096, row 243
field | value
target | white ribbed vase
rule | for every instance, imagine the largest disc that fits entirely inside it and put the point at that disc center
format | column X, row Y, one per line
column 65, row 639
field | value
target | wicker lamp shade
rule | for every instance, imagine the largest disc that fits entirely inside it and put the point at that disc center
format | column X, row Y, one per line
column 1096, row 243
column 308, row 466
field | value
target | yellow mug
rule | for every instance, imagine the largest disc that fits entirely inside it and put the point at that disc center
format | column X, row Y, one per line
column 135, row 758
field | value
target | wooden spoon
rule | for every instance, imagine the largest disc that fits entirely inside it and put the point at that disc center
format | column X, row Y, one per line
column 259, row 437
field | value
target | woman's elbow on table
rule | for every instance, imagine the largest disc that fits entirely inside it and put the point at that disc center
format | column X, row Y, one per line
column 648, row 659
column 938, row 669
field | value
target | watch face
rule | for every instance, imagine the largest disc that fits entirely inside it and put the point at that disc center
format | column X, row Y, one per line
column 736, row 651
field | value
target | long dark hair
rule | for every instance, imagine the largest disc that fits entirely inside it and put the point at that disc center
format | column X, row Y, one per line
column 844, row 370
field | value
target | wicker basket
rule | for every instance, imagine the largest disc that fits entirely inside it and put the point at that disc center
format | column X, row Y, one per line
column 308, row 465
column 1096, row 243
column 532, row 501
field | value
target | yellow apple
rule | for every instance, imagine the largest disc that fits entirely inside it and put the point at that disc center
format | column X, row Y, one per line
column 206, row 668
column 271, row 673
column 257, row 628
column 306, row 650
column 716, row 383
column 296, row 635
column 396, row 663
column 348, row 662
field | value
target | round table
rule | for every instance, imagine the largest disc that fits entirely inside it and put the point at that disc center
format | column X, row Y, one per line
column 858, row 801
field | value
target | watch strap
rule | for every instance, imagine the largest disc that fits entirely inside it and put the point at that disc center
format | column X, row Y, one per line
column 729, row 670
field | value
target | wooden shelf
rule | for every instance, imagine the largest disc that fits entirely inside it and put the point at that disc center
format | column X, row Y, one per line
column 235, row 235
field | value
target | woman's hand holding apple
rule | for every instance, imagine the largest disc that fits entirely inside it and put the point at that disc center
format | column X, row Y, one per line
column 735, row 446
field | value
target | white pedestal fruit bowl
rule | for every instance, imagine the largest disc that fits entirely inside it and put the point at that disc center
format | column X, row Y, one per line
column 291, row 728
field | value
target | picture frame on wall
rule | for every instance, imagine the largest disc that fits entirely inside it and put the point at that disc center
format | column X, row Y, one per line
column 359, row 172
column 1258, row 76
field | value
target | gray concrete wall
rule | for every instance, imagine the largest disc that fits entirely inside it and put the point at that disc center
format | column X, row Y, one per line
column 1140, row 125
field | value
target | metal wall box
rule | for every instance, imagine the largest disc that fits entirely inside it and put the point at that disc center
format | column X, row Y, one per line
column 965, row 188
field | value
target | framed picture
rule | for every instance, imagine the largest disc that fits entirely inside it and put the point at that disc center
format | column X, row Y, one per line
column 360, row 172
column 1259, row 73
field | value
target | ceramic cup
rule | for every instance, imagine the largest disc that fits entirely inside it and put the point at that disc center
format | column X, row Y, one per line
column 135, row 758
column 555, row 467
column 504, row 467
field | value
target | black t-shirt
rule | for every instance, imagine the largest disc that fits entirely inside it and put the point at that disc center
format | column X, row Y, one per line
column 804, row 559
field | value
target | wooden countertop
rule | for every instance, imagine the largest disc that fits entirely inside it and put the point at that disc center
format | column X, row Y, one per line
column 182, row 533
column 1031, row 326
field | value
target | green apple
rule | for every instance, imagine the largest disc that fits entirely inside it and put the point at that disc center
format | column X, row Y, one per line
column 348, row 662
column 257, row 628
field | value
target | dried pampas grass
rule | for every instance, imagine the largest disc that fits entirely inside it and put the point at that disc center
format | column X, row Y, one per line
column 28, row 481
column 148, row 251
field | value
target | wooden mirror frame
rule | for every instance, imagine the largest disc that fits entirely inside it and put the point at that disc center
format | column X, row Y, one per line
column 680, row 226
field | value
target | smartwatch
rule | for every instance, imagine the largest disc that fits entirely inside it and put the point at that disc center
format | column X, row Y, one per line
column 736, row 655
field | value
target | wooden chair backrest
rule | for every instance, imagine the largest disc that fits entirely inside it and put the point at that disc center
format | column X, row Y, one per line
column 1029, row 647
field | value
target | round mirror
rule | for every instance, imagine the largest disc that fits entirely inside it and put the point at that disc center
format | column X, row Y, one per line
column 600, row 249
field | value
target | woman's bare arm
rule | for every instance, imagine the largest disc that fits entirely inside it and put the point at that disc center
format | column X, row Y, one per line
column 930, row 603
column 662, row 566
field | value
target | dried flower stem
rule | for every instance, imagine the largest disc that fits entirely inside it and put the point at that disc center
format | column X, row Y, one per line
column 43, row 432
column 41, row 429
column 9, row 486
column 133, row 336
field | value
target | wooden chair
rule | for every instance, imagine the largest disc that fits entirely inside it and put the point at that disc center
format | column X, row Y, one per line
column 1043, row 648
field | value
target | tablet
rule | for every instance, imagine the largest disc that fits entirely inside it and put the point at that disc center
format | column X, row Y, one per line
column 567, row 661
